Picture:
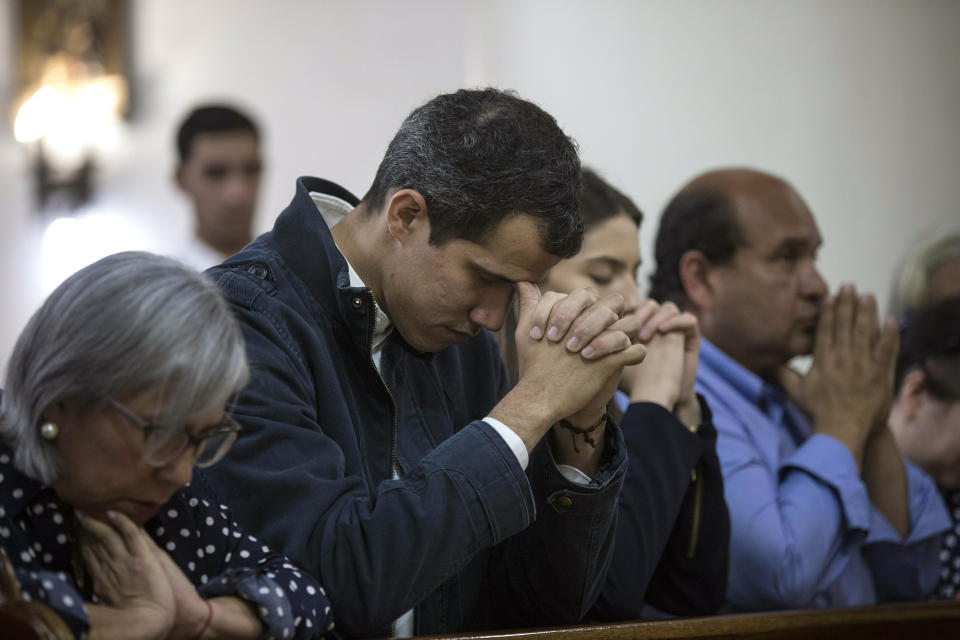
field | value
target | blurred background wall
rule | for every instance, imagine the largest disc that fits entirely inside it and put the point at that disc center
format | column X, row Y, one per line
column 855, row 102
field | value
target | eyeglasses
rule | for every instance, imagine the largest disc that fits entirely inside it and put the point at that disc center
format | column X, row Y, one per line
column 210, row 447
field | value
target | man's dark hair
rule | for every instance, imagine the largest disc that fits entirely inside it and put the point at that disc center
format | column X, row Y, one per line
column 601, row 200
column 213, row 118
column 701, row 218
column 479, row 156
column 930, row 342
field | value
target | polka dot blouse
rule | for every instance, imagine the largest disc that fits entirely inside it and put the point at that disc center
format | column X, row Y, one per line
column 949, row 584
column 200, row 537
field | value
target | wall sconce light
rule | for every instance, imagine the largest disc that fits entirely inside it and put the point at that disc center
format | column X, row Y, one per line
column 73, row 92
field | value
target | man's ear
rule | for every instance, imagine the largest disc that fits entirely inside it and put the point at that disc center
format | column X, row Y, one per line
column 406, row 213
column 912, row 392
column 695, row 277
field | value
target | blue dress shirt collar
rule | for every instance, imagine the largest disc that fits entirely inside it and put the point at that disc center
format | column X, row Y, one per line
column 769, row 398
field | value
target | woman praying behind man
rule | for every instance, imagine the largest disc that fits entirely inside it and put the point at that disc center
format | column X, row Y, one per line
column 673, row 529
column 116, row 389
column 925, row 416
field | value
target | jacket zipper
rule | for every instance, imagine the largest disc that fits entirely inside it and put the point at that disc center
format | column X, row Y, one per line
column 392, row 470
column 698, row 499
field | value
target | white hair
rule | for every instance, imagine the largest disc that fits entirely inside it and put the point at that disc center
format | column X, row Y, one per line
column 126, row 324
column 911, row 282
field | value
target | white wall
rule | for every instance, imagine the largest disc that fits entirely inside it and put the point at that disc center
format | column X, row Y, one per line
column 19, row 276
column 855, row 102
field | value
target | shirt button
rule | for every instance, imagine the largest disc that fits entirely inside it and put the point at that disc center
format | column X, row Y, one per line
column 357, row 302
column 565, row 501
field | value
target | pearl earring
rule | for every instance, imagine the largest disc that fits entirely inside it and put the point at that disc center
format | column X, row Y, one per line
column 49, row 430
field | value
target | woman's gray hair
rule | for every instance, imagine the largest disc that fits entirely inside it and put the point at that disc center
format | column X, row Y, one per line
column 124, row 325
column 911, row 282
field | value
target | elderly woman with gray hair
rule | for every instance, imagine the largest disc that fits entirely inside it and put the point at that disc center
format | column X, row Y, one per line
column 929, row 272
column 116, row 389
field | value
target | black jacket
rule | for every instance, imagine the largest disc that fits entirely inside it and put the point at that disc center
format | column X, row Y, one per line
column 674, row 476
column 465, row 536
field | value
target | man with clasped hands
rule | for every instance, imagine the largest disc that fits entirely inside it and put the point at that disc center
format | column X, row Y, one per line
column 383, row 449
column 824, row 510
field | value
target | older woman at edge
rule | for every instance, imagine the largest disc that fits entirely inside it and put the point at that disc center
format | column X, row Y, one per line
column 115, row 390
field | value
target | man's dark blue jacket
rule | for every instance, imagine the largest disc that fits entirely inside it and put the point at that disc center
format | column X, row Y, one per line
column 465, row 535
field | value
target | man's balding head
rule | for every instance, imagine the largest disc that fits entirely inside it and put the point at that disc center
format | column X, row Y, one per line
column 737, row 247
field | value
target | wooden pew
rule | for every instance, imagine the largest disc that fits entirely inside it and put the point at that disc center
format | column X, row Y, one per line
column 23, row 620
column 915, row 621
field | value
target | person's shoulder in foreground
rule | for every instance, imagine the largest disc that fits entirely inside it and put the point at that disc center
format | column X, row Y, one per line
column 382, row 448
column 824, row 512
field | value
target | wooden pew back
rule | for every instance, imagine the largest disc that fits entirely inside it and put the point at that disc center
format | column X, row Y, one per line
column 916, row 621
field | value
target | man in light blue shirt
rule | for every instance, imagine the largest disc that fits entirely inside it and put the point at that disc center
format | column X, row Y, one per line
column 824, row 510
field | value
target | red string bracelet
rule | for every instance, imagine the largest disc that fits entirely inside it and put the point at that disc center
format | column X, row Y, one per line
column 206, row 624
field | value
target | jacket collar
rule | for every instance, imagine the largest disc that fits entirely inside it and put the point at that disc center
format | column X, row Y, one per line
column 302, row 237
